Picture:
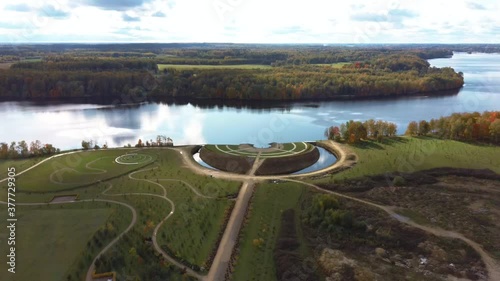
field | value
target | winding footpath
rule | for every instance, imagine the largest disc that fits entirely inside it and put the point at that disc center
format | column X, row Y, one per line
column 154, row 239
column 41, row 162
column 492, row 265
column 230, row 236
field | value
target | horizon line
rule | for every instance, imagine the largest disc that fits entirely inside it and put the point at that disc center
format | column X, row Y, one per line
column 240, row 43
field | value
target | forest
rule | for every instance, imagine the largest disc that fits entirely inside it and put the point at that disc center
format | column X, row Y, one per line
column 384, row 76
column 297, row 72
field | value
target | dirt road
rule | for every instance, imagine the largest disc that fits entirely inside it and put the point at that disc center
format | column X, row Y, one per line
column 229, row 239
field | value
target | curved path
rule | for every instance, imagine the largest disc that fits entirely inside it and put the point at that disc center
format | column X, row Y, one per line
column 118, row 159
column 91, row 269
column 157, row 247
column 339, row 150
column 87, row 166
column 226, row 245
column 492, row 266
column 41, row 162
column 58, row 182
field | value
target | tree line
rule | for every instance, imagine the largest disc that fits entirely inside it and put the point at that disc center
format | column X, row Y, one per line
column 41, row 84
column 381, row 75
column 481, row 127
column 161, row 140
column 22, row 149
column 292, row 55
column 59, row 63
column 355, row 131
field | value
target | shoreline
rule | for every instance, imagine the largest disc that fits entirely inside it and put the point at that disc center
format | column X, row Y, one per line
column 134, row 101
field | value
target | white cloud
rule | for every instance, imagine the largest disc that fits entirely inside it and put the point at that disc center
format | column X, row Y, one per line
column 264, row 21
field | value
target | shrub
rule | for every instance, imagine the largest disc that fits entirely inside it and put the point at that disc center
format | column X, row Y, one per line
column 398, row 181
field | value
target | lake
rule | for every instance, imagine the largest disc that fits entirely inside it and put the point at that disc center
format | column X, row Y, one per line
column 66, row 125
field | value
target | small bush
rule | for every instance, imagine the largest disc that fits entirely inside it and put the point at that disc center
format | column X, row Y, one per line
column 398, row 181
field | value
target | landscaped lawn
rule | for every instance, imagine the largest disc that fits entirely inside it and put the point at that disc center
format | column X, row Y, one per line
column 408, row 154
column 286, row 150
column 192, row 232
column 49, row 241
column 78, row 169
column 19, row 164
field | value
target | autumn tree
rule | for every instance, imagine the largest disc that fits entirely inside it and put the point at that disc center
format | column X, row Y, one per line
column 333, row 133
column 495, row 130
column 412, row 129
column 23, row 149
column 4, row 150
column 423, row 128
column 35, row 147
column 139, row 143
column 392, row 129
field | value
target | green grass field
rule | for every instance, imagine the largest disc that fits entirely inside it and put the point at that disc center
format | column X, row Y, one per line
column 269, row 201
column 201, row 66
column 199, row 217
column 334, row 65
column 405, row 154
column 286, row 149
column 19, row 164
column 50, row 241
column 78, row 169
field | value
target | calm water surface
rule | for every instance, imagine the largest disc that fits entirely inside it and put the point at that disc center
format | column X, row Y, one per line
column 66, row 125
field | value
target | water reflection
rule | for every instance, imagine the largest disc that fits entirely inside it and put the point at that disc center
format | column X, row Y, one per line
column 325, row 160
column 198, row 159
column 66, row 124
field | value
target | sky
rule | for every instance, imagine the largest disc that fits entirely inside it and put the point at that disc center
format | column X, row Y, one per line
column 250, row 21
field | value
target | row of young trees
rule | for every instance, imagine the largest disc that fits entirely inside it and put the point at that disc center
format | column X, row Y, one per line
column 483, row 127
column 92, row 144
column 355, row 131
column 22, row 149
column 161, row 140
